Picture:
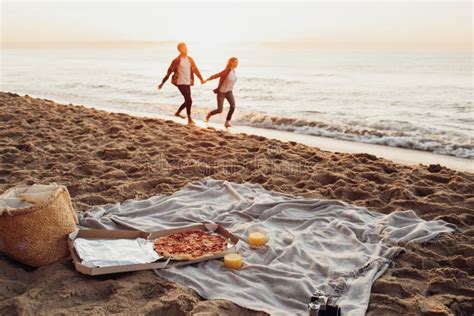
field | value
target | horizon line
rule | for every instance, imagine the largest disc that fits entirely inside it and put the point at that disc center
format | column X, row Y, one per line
column 284, row 44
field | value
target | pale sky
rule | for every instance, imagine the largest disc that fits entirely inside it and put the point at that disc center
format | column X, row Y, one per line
column 425, row 25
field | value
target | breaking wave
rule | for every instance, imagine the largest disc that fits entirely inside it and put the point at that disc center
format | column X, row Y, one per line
column 388, row 133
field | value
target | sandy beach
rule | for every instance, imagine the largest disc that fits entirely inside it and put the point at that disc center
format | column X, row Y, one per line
column 106, row 158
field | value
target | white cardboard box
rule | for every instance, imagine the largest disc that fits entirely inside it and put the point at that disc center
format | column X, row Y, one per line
column 133, row 234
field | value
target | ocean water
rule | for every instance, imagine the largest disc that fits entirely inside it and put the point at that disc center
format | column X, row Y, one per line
column 416, row 100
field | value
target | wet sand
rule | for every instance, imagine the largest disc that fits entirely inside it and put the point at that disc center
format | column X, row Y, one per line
column 104, row 158
column 400, row 155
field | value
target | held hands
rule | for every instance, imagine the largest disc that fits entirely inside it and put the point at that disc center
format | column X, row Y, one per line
column 161, row 84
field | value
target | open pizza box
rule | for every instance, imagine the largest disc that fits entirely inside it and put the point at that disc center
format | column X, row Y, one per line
column 134, row 234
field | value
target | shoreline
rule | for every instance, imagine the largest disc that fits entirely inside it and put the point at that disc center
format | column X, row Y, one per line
column 405, row 156
column 397, row 154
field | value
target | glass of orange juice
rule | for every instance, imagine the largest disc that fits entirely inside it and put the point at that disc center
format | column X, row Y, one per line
column 257, row 237
column 233, row 260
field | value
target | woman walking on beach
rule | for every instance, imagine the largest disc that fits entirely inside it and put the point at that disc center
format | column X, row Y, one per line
column 183, row 69
column 227, row 79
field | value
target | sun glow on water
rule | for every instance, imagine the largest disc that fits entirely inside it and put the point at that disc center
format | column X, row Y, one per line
column 201, row 124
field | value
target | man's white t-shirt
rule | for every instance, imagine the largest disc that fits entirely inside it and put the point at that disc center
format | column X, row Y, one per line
column 184, row 71
column 229, row 82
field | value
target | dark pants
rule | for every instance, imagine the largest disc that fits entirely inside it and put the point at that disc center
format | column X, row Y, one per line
column 188, row 102
column 220, row 104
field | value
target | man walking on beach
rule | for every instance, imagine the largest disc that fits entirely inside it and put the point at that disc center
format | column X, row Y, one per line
column 183, row 69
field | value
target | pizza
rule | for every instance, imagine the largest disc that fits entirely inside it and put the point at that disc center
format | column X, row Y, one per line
column 190, row 245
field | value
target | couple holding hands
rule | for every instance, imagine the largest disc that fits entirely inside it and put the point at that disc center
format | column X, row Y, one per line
column 183, row 69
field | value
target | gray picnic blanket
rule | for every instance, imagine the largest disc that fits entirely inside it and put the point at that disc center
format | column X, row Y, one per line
column 327, row 245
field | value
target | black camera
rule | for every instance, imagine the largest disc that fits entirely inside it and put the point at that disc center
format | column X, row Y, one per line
column 323, row 305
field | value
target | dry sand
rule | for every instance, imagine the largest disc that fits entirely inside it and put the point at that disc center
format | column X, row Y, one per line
column 104, row 158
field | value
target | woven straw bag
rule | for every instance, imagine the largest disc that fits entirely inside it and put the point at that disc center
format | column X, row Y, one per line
column 37, row 235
